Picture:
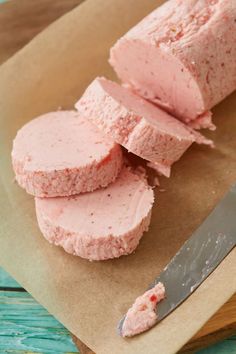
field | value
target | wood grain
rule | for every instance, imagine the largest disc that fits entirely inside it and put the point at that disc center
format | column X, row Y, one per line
column 23, row 318
column 20, row 21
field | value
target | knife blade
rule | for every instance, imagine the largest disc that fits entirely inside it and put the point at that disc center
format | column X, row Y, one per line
column 198, row 257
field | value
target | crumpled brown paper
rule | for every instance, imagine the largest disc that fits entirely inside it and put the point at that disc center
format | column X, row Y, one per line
column 90, row 297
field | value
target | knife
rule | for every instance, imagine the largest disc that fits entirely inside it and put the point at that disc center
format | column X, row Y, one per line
column 198, row 257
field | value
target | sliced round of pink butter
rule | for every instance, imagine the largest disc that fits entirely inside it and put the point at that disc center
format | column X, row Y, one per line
column 135, row 123
column 61, row 154
column 105, row 224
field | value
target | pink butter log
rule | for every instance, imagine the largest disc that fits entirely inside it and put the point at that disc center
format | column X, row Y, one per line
column 61, row 154
column 107, row 223
column 182, row 57
column 143, row 314
column 138, row 125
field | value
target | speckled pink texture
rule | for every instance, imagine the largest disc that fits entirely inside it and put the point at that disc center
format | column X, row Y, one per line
column 135, row 123
column 61, row 153
column 181, row 56
column 107, row 223
column 143, row 315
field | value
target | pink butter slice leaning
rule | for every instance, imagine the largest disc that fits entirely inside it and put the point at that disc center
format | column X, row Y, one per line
column 143, row 314
column 182, row 57
column 138, row 125
column 61, row 154
column 106, row 223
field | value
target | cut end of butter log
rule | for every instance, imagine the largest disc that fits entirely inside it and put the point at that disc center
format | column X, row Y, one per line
column 182, row 60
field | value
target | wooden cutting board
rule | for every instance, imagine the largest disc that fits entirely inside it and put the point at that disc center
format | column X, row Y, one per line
column 20, row 21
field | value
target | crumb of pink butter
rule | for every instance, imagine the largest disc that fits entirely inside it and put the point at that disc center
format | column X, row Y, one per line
column 162, row 170
column 204, row 121
column 156, row 181
column 143, row 314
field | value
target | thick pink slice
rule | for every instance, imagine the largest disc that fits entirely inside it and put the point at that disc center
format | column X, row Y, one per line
column 143, row 315
column 138, row 125
column 181, row 56
column 61, row 153
column 105, row 224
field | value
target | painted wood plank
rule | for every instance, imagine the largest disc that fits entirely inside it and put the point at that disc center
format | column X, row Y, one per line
column 227, row 346
column 7, row 281
column 25, row 326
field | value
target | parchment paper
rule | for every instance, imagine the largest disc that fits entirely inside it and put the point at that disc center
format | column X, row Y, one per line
column 90, row 297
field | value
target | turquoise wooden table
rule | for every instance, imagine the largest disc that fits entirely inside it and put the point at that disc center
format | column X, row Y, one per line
column 25, row 326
